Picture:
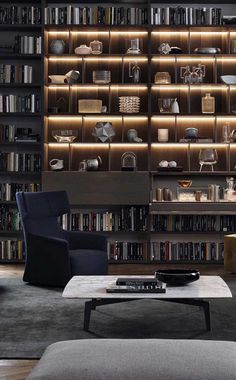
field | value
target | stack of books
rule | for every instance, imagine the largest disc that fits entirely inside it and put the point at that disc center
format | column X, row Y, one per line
column 127, row 250
column 12, row 250
column 9, row 219
column 16, row 73
column 132, row 218
column 187, row 251
column 28, row 44
column 193, row 223
column 8, row 190
column 20, row 15
column 96, row 15
column 20, row 103
column 137, row 285
column 186, row 16
column 20, row 162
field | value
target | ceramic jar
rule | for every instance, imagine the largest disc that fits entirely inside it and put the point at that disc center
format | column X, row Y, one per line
column 57, row 46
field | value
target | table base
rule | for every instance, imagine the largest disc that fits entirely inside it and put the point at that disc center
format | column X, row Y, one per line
column 91, row 305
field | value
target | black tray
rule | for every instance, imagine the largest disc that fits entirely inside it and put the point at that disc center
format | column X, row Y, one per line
column 174, row 169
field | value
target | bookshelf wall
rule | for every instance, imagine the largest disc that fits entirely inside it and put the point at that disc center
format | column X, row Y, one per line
column 110, row 190
column 155, row 244
column 21, row 89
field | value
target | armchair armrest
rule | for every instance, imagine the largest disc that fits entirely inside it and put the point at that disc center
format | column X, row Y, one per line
column 86, row 240
column 47, row 260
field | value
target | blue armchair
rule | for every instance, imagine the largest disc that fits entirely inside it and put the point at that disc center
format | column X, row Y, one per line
column 54, row 255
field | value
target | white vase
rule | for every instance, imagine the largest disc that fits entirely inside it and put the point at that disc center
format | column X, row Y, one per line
column 175, row 106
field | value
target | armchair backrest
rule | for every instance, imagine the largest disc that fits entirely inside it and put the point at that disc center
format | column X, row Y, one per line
column 40, row 211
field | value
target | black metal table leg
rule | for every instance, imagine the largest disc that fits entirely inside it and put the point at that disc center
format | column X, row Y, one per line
column 194, row 302
column 91, row 305
column 207, row 312
column 87, row 313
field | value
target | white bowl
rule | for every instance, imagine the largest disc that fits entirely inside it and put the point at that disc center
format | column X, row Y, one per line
column 57, row 79
column 228, row 79
column 83, row 49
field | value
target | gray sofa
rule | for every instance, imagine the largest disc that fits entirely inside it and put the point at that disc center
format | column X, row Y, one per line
column 137, row 359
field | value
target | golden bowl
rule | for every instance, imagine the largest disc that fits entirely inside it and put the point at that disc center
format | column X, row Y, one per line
column 185, row 183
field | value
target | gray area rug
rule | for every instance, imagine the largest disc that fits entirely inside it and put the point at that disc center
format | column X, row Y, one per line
column 33, row 317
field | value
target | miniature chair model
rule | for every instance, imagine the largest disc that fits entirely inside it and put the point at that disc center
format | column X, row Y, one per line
column 54, row 255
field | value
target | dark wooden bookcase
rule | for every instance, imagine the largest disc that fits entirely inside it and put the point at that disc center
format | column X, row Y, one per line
column 10, row 232
column 111, row 189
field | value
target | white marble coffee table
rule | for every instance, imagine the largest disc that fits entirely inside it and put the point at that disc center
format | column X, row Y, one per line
column 94, row 288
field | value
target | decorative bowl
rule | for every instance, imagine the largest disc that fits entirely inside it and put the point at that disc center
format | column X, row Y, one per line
column 83, row 49
column 207, row 50
column 57, row 79
column 64, row 135
column 228, row 79
column 177, row 277
column 185, row 183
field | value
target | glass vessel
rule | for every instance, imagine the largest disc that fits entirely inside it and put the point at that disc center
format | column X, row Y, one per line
column 162, row 77
column 208, row 104
column 208, row 157
column 165, row 105
column 226, row 134
column 96, row 47
column 135, row 72
column 128, row 161
column 186, row 74
column 134, row 47
column 229, row 191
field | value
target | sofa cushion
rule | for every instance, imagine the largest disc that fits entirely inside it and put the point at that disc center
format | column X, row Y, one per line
column 88, row 262
column 139, row 359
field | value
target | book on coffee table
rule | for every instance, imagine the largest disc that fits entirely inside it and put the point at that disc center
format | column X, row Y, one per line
column 138, row 281
column 137, row 285
column 134, row 289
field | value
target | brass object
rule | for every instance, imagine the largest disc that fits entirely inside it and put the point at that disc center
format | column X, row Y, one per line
column 185, row 183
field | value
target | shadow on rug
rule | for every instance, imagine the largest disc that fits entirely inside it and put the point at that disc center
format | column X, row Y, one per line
column 33, row 317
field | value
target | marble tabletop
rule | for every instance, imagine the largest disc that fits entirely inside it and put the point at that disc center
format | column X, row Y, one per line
column 89, row 287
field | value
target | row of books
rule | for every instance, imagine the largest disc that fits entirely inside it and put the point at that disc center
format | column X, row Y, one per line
column 68, row 15
column 127, row 251
column 9, row 219
column 186, row 16
column 8, row 190
column 7, row 133
column 187, row 251
column 20, row 103
column 12, row 250
column 20, row 15
column 16, row 73
column 193, row 223
column 28, row 44
column 126, row 219
column 10, row 133
column 20, row 162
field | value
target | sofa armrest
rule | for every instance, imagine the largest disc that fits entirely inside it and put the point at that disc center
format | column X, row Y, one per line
column 86, row 240
column 47, row 260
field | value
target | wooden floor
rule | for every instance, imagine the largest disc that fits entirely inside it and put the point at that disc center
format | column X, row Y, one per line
column 16, row 369
column 19, row 369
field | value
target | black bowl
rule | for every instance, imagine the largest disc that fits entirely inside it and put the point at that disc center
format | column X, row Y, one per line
column 177, row 277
